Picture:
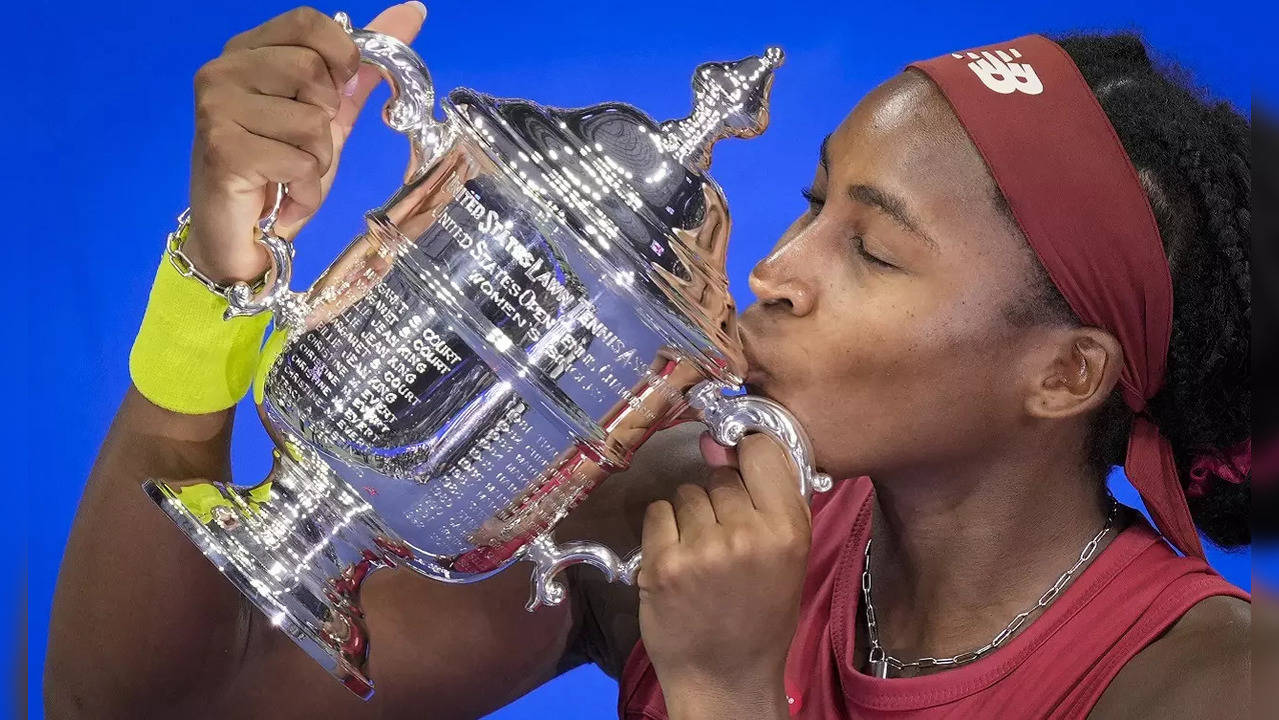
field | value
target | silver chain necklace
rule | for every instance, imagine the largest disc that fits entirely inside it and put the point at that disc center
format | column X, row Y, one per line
column 881, row 661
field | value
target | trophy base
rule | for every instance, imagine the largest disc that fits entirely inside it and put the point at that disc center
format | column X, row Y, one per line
column 298, row 545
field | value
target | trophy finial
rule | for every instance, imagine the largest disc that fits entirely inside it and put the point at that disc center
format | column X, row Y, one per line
column 730, row 99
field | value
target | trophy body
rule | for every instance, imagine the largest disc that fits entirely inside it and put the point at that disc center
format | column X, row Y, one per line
column 544, row 292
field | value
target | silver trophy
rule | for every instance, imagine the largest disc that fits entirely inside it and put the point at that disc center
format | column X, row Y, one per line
column 544, row 292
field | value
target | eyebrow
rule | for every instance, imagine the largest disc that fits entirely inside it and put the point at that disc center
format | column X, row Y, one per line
column 890, row 205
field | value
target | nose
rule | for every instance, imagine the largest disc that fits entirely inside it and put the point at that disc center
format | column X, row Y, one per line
column 783, row 279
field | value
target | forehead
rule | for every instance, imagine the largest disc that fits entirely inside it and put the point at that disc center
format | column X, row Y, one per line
column 904, row 137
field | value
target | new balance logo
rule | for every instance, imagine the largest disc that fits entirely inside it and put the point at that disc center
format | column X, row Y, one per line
column 999, row 73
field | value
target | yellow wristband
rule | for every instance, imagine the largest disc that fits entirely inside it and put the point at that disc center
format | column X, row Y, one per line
column 186, row 358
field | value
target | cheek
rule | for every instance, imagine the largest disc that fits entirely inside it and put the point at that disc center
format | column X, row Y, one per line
column 897, row 375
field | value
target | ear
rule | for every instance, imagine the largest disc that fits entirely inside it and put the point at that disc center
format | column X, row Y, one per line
column 1082, row 369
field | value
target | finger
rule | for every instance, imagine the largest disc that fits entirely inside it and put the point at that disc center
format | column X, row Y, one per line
column 714, row 454
column 305, row 27
column 277, row 162
column 660, row 528
column 769, row 476
column 251, row 161
column 290, row 72
column 399, row 21
column 728, row 496
column 693, row 512
column 304, row 198
column 242, row 164
column 299, row 124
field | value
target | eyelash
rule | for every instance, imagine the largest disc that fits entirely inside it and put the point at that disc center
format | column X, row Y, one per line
column 811, row 198
column 859, row 243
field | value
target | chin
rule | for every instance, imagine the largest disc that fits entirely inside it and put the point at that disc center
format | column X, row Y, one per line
column 755, row 386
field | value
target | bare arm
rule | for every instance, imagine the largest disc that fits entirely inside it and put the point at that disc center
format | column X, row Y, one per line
column 144, row 626
column 139, row 615
column 1200, row 668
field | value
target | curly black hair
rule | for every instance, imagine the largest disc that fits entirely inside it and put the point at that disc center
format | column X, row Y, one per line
column 1193, row 156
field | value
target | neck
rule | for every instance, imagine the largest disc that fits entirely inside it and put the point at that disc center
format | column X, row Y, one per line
column 959, row 552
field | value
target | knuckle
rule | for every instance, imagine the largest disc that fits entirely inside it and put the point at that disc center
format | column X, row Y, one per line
column 311, row 66
column 207, row 76
column 215, row 144
column 319, row 69
column 317, row 124
column 350, row 56
column 306, row 200
column 657, row 509
column 323, row 158
column 664, row 572
column 722, row 493
column 309, row 166
column 743, row 541
column 713, row 549
column 205, row 109
column 293, row 166
column 790, row 540
column 688, row 492
column 302, row 18
column 235, row 43
column 325, row 96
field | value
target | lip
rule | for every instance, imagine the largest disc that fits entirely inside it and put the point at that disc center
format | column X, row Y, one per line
column 756, row 374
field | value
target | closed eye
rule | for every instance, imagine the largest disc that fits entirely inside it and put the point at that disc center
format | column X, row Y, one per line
column 815, row 202
column 815, row 205
column 859, row 244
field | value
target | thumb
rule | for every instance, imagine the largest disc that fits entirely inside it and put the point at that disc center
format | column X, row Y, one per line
column 402, row 22
column 770, row 475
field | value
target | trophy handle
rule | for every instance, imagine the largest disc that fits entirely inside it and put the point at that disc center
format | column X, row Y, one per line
column 274, row 293
column 730, row 418
column 409, row 111
column 552, row 559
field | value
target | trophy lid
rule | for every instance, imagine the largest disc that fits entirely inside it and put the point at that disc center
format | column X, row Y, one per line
column 632, row 187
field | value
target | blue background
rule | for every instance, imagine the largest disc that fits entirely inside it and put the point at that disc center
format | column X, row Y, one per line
column 100, row 125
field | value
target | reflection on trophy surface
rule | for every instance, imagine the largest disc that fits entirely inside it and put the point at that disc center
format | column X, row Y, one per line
column 544, row 292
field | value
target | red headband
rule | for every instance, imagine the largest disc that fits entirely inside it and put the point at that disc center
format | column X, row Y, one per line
column 1076, row 197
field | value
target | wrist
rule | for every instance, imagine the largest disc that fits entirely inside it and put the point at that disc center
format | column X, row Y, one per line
column 729, row 695
column 708, row 704
column 186, row 358
column 227, row 268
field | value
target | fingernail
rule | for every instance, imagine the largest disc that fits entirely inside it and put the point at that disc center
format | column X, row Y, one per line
column 418, row 6
column 349, row 88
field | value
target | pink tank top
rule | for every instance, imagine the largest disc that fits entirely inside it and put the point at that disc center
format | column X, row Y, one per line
column 1057, row 667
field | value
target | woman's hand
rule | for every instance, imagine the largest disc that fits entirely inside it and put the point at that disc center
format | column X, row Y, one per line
column 721, row 581
column 275, row 107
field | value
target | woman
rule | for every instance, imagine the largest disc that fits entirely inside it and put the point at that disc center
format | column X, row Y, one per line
column 917, row 321
column 986, row 412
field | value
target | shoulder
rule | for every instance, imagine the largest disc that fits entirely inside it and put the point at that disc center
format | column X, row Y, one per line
column 1201, row 667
